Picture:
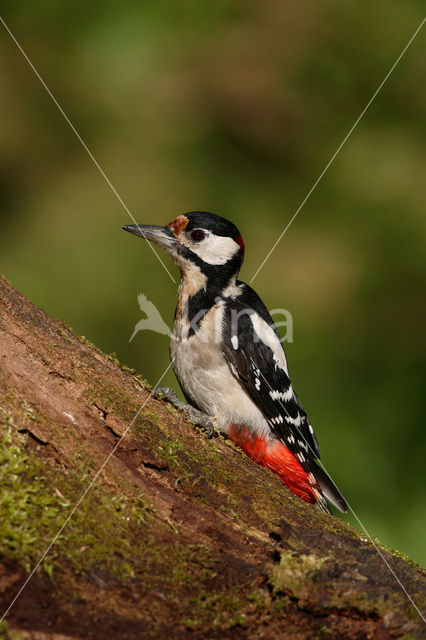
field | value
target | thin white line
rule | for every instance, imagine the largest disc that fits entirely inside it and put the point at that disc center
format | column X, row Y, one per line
column 82, row 141
column 341, row 145
column 80, row 500
column 384, row 559
column 352, row 511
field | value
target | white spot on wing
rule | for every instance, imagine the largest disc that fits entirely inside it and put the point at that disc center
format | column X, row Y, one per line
column 296, row 421
column 234, row 341
column 280, row 395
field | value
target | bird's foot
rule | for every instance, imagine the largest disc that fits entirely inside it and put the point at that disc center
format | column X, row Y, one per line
column 169, row 395
column 199, row 418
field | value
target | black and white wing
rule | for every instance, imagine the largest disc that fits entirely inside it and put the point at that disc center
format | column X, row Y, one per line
column 252, row 350
column 254, row 353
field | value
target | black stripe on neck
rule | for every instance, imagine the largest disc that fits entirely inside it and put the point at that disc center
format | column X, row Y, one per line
column 218, row 277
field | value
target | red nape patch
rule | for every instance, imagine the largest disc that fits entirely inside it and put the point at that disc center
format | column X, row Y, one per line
column 275, row 456
column 240, row 241
column 178, row 224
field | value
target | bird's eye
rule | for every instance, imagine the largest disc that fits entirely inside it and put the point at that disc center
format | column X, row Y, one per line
column 197, row 235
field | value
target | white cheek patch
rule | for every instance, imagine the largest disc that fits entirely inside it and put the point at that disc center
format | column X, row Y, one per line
column 216, row 249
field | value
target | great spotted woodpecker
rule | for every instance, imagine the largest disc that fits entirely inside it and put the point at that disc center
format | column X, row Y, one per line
column 229, row 360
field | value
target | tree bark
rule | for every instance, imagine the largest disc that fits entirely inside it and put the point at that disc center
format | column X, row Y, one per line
column 178, row 536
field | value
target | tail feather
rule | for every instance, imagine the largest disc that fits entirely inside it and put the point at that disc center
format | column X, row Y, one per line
column 329, row 489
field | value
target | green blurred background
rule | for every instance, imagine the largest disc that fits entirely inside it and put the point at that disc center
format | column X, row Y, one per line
column 235, row 107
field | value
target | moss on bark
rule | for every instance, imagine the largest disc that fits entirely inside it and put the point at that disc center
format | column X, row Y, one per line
column 178, row 536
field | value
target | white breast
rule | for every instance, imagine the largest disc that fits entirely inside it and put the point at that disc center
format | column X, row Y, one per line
column 206, row 378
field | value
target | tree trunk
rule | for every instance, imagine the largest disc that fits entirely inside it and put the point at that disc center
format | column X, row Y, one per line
column 178, row 536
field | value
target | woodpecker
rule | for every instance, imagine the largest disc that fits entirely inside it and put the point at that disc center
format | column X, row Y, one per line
column 229, row 360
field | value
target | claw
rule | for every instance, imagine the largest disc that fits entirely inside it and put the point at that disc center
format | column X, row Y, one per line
column 164, row 393
column 159, row 392
column 211, row 431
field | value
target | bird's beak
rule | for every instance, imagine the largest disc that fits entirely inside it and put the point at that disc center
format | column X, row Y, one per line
column 162, row 236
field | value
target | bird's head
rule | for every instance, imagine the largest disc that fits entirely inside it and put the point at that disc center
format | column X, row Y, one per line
column 199, row 240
